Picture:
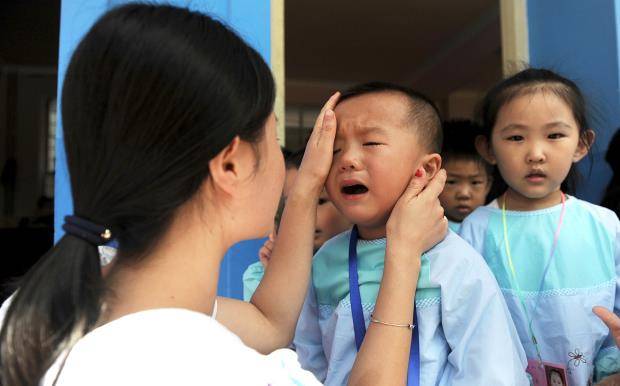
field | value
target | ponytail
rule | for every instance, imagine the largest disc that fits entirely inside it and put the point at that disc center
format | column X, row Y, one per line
column 57, row 302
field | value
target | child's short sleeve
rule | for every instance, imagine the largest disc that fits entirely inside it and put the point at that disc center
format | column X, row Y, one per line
column 251, row 279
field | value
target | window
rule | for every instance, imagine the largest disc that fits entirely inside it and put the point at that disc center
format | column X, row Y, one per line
column 50, row 158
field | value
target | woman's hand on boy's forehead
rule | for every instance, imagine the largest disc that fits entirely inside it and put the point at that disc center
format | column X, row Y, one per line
column 319, row 150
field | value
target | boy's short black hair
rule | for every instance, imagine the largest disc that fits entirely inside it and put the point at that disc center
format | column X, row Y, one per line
column 424, row 114
column 459, row 138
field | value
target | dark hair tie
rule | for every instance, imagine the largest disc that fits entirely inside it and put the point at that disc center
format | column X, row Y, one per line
column 87, row 231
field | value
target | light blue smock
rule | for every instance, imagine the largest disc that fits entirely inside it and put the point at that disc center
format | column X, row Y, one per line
column 583, row 273
column 252, row 277
column 466, row 335
column 454, row 226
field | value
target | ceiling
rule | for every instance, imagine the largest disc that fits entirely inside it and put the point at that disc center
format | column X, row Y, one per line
column 29, row 32
column 435, row 46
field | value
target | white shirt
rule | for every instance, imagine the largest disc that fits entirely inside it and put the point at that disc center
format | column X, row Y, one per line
column 172, row 347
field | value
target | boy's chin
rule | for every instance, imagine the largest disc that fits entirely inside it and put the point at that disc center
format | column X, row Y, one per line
column 370, row 220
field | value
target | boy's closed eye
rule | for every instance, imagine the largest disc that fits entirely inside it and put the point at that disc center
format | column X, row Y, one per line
column 372, row 143
column 323, row 201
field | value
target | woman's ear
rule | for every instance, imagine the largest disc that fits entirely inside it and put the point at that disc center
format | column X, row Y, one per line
column 224, row 167
column 483, row 146
column 585, row 144
column 431, row 164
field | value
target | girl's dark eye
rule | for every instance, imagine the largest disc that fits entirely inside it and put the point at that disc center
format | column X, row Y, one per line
column 556, row 136
column 515, row 138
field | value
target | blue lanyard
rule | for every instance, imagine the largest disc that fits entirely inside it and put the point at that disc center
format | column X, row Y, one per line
column 359, row 324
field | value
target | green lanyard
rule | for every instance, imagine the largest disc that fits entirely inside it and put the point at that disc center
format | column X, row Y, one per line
column 514, row 272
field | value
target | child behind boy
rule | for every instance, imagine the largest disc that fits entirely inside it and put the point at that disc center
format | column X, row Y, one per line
column 464, row 333
column 469, row 176
column 329, row 222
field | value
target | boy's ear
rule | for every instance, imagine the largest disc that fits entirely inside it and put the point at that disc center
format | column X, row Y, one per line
column 431, row 164
column 484, row 149
column 585, row 143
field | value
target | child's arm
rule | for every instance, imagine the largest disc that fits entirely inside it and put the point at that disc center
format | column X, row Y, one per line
column 268, row 321
column 485, row 347
column 416, row 224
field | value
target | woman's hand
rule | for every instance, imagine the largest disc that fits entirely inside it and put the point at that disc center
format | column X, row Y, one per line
column 417, row 221
column 319, row 151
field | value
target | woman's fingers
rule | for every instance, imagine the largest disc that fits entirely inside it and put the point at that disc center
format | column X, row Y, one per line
column 435, row 186
column 418, row 217
column 319, row 150
column 329, row 105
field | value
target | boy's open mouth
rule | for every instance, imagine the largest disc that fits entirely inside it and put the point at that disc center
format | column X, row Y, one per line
column 354, row 189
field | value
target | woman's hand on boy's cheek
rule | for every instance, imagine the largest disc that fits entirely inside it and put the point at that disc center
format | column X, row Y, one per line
column 417, row 219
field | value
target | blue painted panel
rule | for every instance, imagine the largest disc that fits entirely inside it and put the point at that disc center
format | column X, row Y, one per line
column 579, row 40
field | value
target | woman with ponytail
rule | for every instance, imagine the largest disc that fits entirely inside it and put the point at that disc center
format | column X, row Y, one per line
column 172, row 153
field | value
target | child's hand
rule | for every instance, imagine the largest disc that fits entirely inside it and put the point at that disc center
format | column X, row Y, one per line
column 320, row 150
column 611, row 320
column 264, row 254
column 418, row 219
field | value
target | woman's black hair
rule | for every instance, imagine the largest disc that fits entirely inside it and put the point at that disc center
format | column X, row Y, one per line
column 152, row 93
column 527, row 82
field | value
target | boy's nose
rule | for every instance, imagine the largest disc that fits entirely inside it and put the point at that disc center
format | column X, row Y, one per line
column 349, row 161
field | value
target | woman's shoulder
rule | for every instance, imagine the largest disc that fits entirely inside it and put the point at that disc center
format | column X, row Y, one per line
column 162, row 347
